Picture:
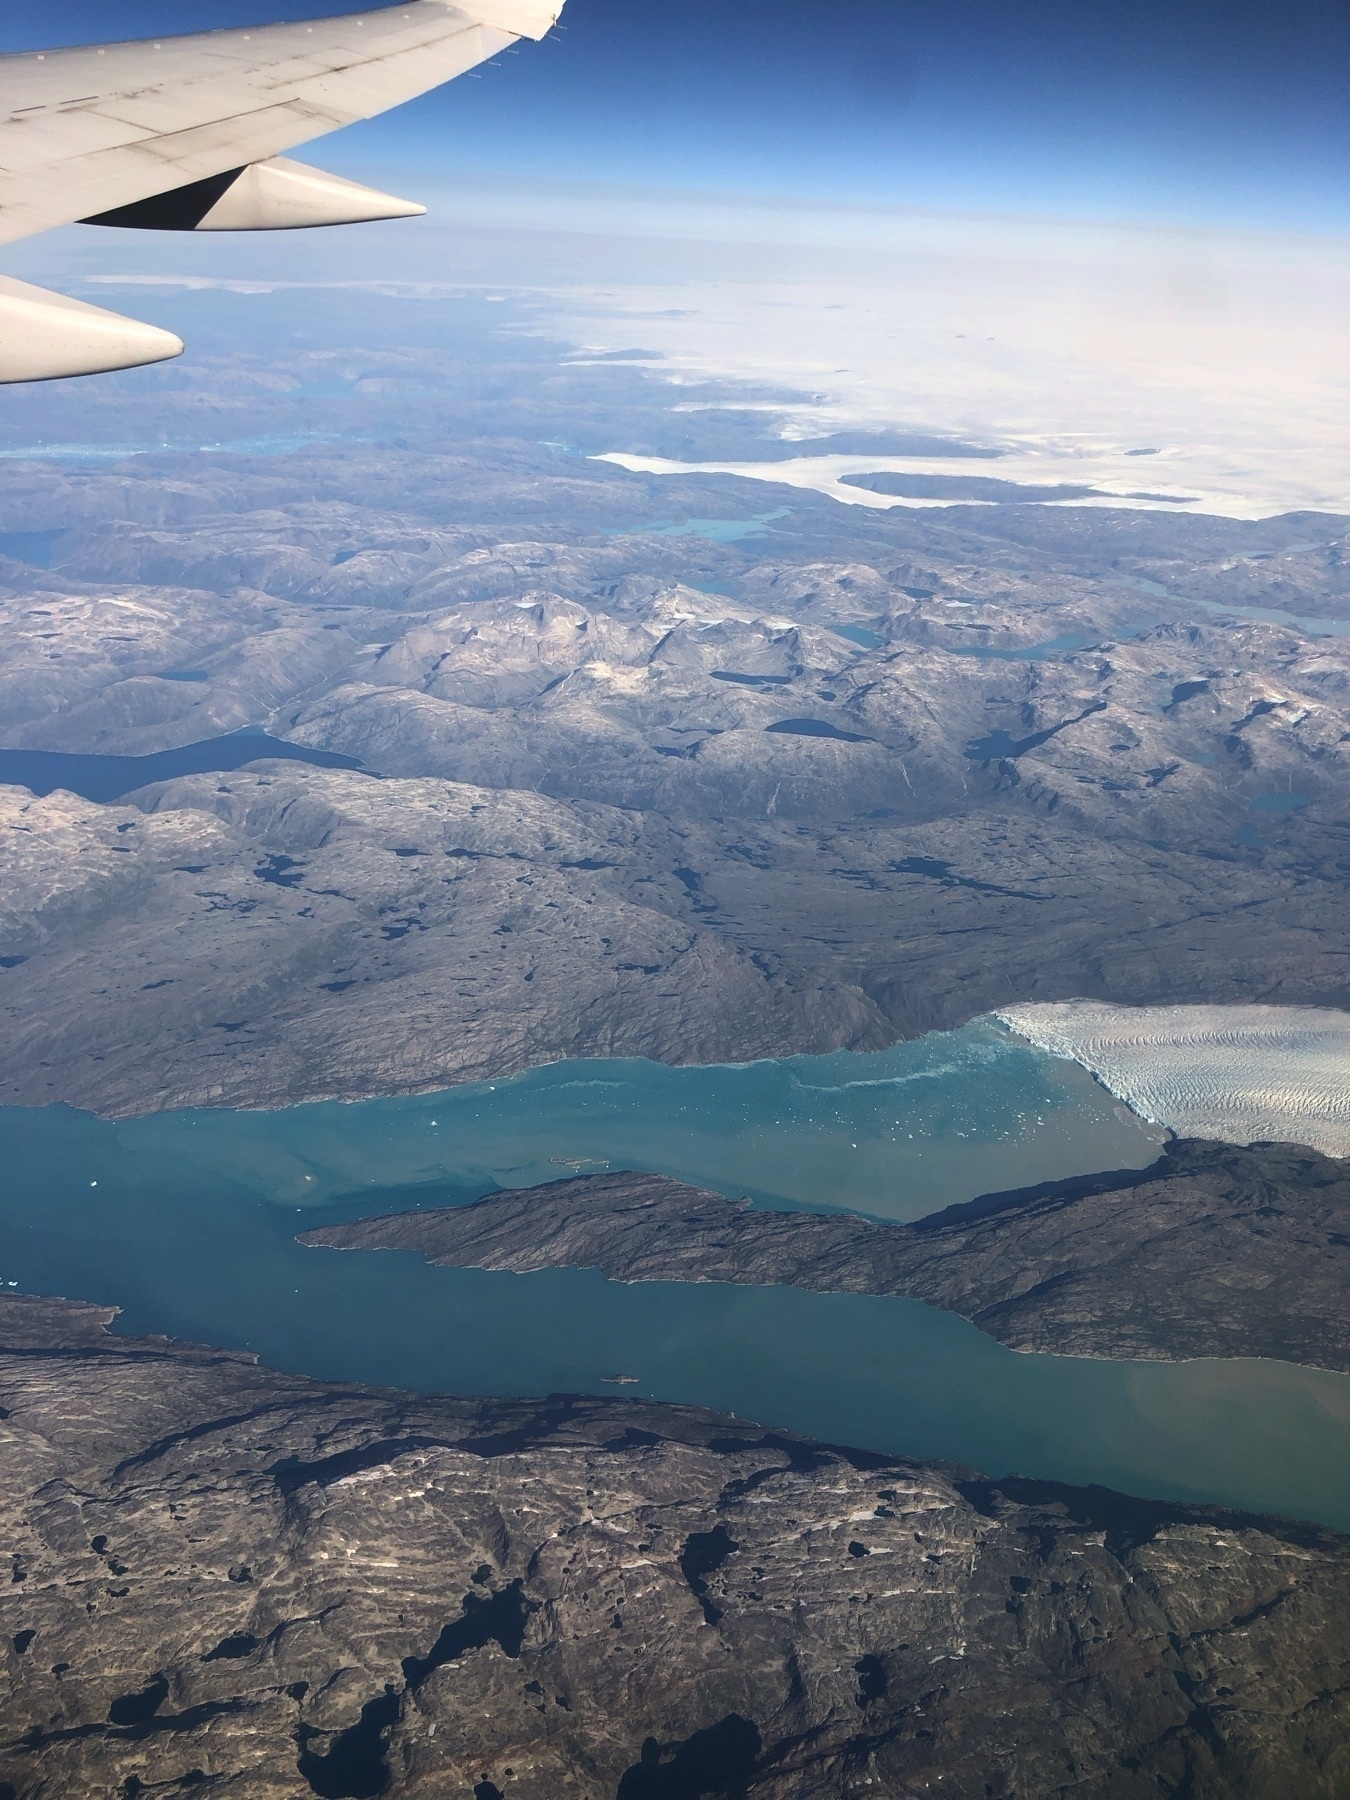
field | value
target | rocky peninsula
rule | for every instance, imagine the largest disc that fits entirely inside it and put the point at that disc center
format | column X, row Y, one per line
column 1213, row 1250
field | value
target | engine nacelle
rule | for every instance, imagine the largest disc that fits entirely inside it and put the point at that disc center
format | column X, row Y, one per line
column 45, row 336
column 276, row 195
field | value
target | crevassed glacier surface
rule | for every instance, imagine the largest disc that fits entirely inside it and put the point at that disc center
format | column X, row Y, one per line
column 1244, row 1074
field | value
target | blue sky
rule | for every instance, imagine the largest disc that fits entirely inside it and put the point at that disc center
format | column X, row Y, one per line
column 1222, row 112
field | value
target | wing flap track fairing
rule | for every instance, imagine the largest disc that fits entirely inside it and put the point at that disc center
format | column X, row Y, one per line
column 276, row 195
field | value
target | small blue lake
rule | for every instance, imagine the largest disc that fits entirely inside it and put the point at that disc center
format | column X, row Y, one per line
column 104, row 778
column 187, row 1221
column 1315, row 627
column 36, row 548
column 860, row 635
column 1273, row 806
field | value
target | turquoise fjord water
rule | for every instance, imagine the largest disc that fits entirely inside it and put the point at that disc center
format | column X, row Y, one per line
column 187, row 1220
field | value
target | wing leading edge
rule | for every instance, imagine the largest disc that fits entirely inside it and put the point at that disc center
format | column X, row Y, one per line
column 107, row 129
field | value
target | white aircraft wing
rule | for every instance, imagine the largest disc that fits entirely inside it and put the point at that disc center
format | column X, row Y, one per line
column 171, row 131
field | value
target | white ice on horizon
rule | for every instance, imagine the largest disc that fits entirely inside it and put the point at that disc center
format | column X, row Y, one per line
column 1205, row 368
column 1241, row 1074
column 1117, row 479
column 1134, row 358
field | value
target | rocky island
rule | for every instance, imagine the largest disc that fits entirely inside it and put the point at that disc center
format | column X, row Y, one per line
column 1214, row 1250
column 229, row 1581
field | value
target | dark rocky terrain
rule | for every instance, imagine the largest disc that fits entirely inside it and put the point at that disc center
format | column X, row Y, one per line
column 1211, row 1251
column 227, row 1581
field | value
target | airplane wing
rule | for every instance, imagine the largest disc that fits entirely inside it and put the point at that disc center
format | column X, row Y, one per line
column 186, row 133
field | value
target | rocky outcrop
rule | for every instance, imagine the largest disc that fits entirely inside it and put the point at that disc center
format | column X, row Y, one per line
column 247, row 1584
column 1211, row 1251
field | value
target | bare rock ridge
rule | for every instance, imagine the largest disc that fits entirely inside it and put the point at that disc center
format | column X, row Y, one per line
column 1211, row 1251
column 233, row 1582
